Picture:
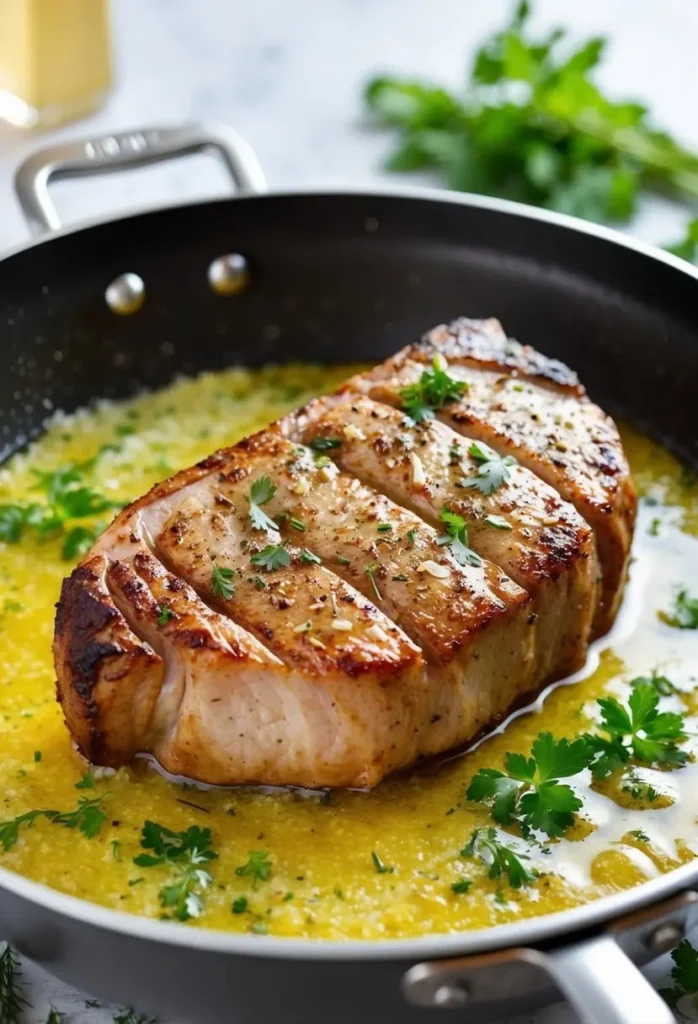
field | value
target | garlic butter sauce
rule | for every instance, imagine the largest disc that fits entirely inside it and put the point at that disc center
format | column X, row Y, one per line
column 324, row 881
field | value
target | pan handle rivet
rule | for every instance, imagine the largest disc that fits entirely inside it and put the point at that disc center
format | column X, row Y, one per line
column 126, row 294
column 665, row 937
column 451, row 995
column 229, row 274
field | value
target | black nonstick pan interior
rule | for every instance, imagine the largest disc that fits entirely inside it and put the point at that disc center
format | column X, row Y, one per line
column 340, row 278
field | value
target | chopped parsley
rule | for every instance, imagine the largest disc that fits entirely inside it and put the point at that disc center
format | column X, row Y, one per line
column 258, row 867
column 493, row 469
column 185, row 853
column 380, row 866
column 411, row 537
column 166, row 613
column 342, row 560
column 684, row 973
column 297, row 524
column 240, row 905
column 685, row 613
column 638, row 834
column 640, row 731
column 461, row 887
column 37, row 756
column 68, row 497
column 500, row 858
column 221, row 583
column 55, row 1016
column 370, row 569
column 325, row 444
column 86, row 782
column 262, row 491
column 529, row 792
column 456, row 536
column 663, row 686
column 88, row 817
column 12, row 1001
column 131, row 1016
column 432, row 391
column 384, row 527
column 272, row 557
column 499, row 522
column 308, row 558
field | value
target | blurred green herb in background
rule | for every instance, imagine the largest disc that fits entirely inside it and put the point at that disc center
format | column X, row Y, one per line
column 532, row 126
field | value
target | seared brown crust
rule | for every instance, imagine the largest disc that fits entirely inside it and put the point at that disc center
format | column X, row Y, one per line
column 483, row 343
column 108, row 680
column 376, row 643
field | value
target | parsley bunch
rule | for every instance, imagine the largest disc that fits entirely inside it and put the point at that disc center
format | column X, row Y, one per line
column 684, row 973
column 433, row 390
column 529, row 792
column 500, row 858
column 184, row 852
column 533, row 126
column 456, row 536
column 640, row 731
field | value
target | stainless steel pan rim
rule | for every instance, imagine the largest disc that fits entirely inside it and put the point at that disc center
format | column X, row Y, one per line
column 527, row 932
column 589, row 950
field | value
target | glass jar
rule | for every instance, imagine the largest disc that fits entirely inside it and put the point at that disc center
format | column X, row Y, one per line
column 55, row 63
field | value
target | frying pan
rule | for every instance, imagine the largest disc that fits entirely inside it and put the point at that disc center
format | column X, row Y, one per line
column 328, row 276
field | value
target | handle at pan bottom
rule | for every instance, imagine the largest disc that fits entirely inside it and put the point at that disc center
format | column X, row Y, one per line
column 604, row 986
column 599, row 975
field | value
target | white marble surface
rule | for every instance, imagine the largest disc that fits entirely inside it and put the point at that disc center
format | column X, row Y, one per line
column 288, row 76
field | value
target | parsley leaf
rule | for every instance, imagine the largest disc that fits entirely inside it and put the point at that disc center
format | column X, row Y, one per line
column 433, row 390
column 308, row 558
column 461, row 886
column 529, row 791
column 258, row 867
column 166, row 614
column 262, row 491
column 456, row 537
column 88, row 817
column 185, row 853
column 12, row 1001
column 325, row 444
column 381, row 867
column 500, row 858
column 493, row 469
column 499, row 522
column 639, row 731
column 273, row 556
column 221, row 584
column 685, row 614
column 684, row 973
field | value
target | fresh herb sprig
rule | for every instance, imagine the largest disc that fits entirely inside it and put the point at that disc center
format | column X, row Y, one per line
column 434, row 389
column 684, row 973
column 493, row 469
column 12, row 1001
column 685, row 612
column 185, row 853
column 68, row 497
column 534, row 126
column 529, row 791
column 87, row 817
column 500, row 858
column 258, row 867
column 639, row 731
column 272, row 557
column 456, row 536
column 222, row 582
column 261, row 491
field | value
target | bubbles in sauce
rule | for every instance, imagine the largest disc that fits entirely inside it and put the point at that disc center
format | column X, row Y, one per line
column 324, row 882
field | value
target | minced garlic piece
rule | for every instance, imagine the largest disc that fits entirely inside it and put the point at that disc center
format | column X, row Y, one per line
column 303, row 627
column 301, row 486
column 316, row 643
column 376, row 633
column 353, row 433
column 343, row 625
column 440, row 572
column 550, row 521
column 418, row 475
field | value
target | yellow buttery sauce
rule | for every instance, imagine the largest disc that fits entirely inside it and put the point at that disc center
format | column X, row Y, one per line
column 324, row 883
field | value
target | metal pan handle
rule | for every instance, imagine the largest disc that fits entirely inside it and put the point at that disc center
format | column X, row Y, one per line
column 125, row 150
